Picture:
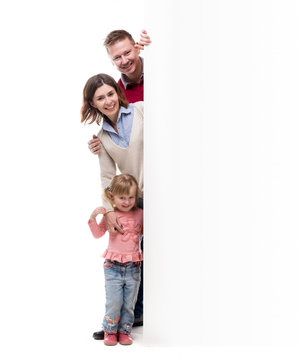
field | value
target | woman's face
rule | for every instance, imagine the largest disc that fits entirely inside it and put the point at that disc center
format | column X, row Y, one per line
column 106, row 100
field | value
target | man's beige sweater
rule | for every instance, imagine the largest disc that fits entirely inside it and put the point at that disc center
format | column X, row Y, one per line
column 128, row 160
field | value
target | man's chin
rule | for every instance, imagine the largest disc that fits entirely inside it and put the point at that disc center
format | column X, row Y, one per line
column 129, row 71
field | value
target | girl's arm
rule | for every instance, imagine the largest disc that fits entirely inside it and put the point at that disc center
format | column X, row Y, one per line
column 98, row 230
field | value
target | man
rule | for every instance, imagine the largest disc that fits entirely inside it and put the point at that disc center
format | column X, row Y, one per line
column 125, row 55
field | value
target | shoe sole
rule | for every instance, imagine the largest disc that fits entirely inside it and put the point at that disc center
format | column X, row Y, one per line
column 139, row 323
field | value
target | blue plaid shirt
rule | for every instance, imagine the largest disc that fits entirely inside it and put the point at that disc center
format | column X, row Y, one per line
column 124, row 125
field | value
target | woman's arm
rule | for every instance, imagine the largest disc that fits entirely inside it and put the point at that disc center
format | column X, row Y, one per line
column 108, row 171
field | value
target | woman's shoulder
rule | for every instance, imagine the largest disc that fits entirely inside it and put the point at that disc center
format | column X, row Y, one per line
column 139, row 105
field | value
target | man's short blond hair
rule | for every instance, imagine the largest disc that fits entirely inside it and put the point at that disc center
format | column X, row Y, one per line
column 117, row 35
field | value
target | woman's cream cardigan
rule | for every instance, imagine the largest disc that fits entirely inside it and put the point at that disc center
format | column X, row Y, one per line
column 128, row 160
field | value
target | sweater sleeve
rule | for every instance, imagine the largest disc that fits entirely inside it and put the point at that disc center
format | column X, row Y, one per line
column 98, row 230
column 140, row 106
column 108, row 171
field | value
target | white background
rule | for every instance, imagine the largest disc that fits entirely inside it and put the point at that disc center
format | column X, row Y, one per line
column 231, row 152
column 240, row 177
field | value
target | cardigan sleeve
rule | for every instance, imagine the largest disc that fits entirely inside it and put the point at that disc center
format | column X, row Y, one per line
column 140, row 107
column 98, row 230
column 108, row 171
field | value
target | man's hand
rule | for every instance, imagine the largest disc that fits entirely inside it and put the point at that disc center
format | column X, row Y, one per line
column 113, row 223
column 94, row 145
column 144, row 40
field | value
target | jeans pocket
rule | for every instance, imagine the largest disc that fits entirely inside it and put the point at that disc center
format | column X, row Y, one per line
column 136, row 273
column 108, row 264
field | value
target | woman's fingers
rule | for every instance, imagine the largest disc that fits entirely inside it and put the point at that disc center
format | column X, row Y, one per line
column 113, row 223
column 119, row 227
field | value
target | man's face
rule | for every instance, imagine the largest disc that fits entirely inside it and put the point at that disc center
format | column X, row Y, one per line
column 125, row 57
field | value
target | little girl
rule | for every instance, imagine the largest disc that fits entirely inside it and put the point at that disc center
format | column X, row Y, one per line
column 122, row 258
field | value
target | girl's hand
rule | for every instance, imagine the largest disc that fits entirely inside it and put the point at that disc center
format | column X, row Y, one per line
column 113, row 223
column 98, row 210
column 144, row 40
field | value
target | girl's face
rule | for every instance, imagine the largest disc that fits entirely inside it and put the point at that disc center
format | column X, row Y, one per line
column 126, row 202
column 106, row 100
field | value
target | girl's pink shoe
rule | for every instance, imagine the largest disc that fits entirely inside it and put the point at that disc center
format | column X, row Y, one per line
column 125, row 339
column 110, row 339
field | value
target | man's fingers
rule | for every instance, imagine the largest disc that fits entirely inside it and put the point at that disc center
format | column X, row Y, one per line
column 94, row 145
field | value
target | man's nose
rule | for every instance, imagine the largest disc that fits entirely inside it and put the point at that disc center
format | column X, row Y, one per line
column 124, row 59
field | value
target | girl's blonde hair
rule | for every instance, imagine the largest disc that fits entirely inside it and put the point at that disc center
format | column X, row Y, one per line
column 120, row 185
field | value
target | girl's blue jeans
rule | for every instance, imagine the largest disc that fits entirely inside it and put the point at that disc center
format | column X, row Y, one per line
column 122, row 283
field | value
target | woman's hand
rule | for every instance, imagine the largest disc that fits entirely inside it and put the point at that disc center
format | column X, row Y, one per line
column 144, row 40
column 113, row 223
column 97, row 211
column 94, row 145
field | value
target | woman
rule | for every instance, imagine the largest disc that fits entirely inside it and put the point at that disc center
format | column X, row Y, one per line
column 121, row 134
column 121, row 137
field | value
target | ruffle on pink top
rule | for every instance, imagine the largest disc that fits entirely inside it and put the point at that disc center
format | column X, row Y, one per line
column 123, row 258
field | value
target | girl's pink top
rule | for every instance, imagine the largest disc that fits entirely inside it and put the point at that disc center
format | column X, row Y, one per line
column 122, row 247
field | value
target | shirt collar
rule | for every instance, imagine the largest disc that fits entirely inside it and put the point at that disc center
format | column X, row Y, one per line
column 107, row 127
column 126, row 81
